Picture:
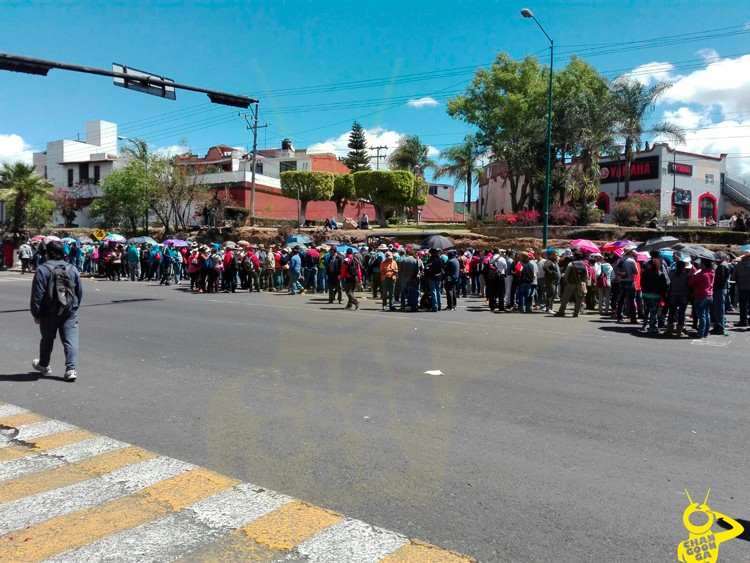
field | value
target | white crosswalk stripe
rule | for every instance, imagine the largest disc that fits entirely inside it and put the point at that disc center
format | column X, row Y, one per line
column 37, row 508
column 10, row 410
column 37, row 430
column 57, row 457
column 350, row 540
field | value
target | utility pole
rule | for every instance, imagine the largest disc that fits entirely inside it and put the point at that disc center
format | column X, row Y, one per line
column 377, row 155
column 254, row 127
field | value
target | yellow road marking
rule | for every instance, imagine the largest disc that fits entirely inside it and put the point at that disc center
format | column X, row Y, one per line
column 45, row 443
column 71, row 474
column 418, row 552
column 289, row 525
column 16, row 420
column 80, row 528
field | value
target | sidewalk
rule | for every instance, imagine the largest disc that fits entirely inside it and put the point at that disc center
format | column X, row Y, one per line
column 67, row 494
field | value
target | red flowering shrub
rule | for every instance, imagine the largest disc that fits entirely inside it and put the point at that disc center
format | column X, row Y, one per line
column 636, row 210
column 562, row 214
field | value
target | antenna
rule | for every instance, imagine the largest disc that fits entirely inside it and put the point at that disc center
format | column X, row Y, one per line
column 688, row 495
column 706, row 499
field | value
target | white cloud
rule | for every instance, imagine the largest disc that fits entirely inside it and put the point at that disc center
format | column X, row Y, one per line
column 423, row 102
column 171, row 150
column 376, row 137
column 724, row 83
column 13, row 148
column 708, row 55
column 653, row 73
column 704, row 136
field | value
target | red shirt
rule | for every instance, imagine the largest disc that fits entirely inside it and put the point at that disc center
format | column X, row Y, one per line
column 702, row 284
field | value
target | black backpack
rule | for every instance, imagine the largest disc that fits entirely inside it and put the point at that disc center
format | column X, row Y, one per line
column 60, row 290
column 333, row 266
column 354, row 267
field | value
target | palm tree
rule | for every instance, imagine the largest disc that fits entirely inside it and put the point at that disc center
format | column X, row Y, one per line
column 462, row 165
column 411, row 155
column 634, row 102
column 22, row 184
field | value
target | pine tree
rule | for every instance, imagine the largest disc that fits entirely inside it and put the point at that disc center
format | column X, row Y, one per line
column 357, row 159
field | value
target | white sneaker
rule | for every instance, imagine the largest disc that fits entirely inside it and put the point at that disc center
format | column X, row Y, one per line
column 70, row 375
column 40, row 368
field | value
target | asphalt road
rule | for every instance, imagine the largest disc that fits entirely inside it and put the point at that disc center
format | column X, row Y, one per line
column 545, row 439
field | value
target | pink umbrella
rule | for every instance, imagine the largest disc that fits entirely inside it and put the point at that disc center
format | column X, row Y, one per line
column 38, row 238
column 612, row 246
column 642, row 256
column 50, row 238
column 585, row 244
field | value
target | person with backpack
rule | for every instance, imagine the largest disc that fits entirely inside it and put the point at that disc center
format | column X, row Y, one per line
column 269, row 265
column 552, row 276
column 434, row 272
column 351, row 276
column 495, row 285
column 604, row 283
column 626, row 271
column 576, row 279
column 295, row 271
column 376, row 259
column 56, row 294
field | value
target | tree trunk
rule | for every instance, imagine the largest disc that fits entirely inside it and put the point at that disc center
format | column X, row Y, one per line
column 628, row 162
column 468, row 193
column 513, row 192
column 340, row 207
column 302, row 212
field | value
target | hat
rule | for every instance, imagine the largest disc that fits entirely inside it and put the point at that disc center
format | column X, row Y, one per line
column 296, row 247
column 433, row 250
column 401, row 250
column 389, row 254
column 531, row 254
column 382, row 248
column 628, row 249
column 396, row 245
column 349, row 251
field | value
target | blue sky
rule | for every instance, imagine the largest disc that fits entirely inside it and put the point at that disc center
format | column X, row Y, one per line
column 307, row 61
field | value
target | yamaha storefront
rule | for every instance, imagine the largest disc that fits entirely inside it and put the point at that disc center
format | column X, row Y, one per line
column 688, row 185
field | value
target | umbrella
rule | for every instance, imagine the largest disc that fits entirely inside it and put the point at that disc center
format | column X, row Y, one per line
column 115, row 237
column 742, row 248
column 143, row 240
column 50, row 238
column 585, row 244
column 69, row 240
column 642, row 256
column 437, row 241
column 38, row 237
column 232, row 244
column 243, row 242
column 176, row 242
column 612, row 246
column 85, row 240
column 299, row 239
column 343, row 248
column 332, row 243
column 667, row 254
column 695, row 251
column 656, row 243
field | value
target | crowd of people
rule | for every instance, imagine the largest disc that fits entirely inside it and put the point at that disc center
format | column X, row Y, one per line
column 650, row 290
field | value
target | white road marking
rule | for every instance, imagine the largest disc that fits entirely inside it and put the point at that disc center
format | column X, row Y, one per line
column 350, row 540
column 57, row 457
column 44, row 506
column 37, row 430
column 10, row 410
column 176, row 535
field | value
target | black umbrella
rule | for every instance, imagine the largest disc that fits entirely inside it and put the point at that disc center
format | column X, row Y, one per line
column 695, row 251
column 656, row 244
column 437, row 241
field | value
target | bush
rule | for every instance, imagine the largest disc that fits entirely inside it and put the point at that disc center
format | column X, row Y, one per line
column 522, row 218
column 238, row 214
column 636, row 210
column 562, row 214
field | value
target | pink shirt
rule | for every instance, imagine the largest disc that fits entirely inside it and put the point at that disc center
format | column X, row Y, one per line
column 702, row 284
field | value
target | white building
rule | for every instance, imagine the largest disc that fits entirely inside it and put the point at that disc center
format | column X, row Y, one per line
column 80, row 165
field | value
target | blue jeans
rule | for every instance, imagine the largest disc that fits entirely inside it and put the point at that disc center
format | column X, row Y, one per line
column 524, row 298
column 311, row 279
column 434, row 288
column 719, row 310
column 68, row 329
column 651, row 312
column 294, row 285
column 410, row 294
column 322, row 281
column 702, row 309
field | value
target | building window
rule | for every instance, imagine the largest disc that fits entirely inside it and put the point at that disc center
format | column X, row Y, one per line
column 602, row 202
column 707, row 207
column 97, row 173
column 259, row 168
column 83, row 172
column 709, row 178
column 287, row 165
column 70, row 177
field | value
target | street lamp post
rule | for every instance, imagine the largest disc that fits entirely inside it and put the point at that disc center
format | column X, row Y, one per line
column 526, row 13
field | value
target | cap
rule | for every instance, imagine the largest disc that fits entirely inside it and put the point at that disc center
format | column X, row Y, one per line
column 382, row 248
column 389, row 254
column 349, row 251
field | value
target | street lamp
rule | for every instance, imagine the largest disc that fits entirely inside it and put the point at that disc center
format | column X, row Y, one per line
column 526, row 13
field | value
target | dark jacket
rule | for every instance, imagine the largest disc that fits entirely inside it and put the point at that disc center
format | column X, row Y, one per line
column 654, row 281
column 42, row 279
column 452, row 268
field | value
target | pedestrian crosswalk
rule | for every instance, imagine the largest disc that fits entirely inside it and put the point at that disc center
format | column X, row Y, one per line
column 69, row 495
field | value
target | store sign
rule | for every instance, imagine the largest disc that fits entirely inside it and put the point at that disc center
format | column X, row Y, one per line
column 646, row 168
column 683, row 169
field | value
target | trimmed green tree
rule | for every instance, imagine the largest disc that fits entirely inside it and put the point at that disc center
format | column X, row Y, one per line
column 343, row 192
column 388, row 191
column 307, row 185
column 20, row 185
column 358, row 159
column 126, row 196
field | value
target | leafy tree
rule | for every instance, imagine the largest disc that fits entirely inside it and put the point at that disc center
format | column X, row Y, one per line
column 39, row 210
column 358, row 159
column 343, row 192
column 67, row 202
column 462, row 165
column 508, row 106
column 635, row 210
column 307, row 185
column 386, row 190
column 633, row 103
column 126, row 194
column 21, row 185
column 411, row 155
